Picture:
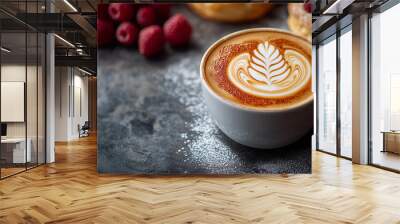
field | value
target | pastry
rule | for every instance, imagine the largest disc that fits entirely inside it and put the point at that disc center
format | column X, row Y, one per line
column 231, row 12
column 299, row 20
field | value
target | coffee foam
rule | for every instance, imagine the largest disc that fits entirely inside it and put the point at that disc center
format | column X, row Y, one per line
column 269, row 72
column 263, row 69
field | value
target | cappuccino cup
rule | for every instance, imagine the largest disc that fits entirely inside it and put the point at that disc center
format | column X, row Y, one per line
column 256, row 84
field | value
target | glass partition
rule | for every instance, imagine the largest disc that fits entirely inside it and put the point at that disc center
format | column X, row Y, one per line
column 22, row 77
column 31, row 100
column 14, row 153
column 385, row 89
column 41, row 97
column 327, row 96
column 346, row 93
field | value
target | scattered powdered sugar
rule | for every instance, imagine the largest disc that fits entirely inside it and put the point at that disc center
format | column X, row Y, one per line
column 202, row 142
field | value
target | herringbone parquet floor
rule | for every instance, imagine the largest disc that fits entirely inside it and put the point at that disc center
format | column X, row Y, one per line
column 71, row 191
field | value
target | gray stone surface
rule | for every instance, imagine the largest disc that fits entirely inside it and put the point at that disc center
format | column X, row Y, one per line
column 152, row 119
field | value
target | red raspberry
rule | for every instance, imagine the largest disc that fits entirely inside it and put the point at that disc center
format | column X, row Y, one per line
column 105, row 32
column 127, row 33
column 102, row 11
column 121, row 12
column 146, row 16
column 308, row 7
column 151, row 41
column 177, row 30
column 163, row 11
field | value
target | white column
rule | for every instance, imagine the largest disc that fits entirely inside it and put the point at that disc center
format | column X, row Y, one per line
column 50, row 92
column 50, row 98
column 360, row 90
column 314, row 88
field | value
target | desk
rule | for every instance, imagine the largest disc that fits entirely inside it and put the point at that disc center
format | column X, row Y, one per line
column 18, row 149
column 391, row 141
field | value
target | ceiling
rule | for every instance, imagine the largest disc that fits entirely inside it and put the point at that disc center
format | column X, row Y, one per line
column 332, row 15
column 39, row 6
column 73, row 21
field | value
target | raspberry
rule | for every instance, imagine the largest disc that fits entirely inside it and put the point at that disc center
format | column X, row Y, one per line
column 121, row 12
column 163, row 11
column 177, row 30
column 308, row 7
column 151, row 41
column 102, row 11
column 127, row 33
column 105, row 32
column 146, row 16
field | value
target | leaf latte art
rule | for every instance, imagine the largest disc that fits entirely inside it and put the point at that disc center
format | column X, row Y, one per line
column 269, row 72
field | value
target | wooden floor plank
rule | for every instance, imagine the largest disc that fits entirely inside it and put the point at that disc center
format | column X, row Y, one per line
column 71, row 191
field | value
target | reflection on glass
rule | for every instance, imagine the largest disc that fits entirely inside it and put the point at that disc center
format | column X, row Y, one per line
column 22, row 91
column 41, row 98
column 385, row 84
column 31, row 100
column 346, row 94
column 327, row 97
column 15, row 151
column 394, row 101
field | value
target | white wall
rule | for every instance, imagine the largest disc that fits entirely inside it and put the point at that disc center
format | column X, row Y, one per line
column 16, row 72
column 80, row 110
column 33, row 126
column 62, row 81
column 70, row 83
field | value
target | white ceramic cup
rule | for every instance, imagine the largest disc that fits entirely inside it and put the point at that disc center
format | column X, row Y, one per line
column 257, row 128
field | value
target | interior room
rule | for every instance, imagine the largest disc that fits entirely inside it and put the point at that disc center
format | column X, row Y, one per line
column 72, row 102
column 336, row 84
column 49, row 128
column 22, row 103
column 29, row 59
column 385, row 89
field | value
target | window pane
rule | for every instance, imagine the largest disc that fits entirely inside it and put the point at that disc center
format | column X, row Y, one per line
column 14, row 153
column 31, row 97
column 41, row 98
column 346, row 94
column 327, row 97
column 385, row 78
